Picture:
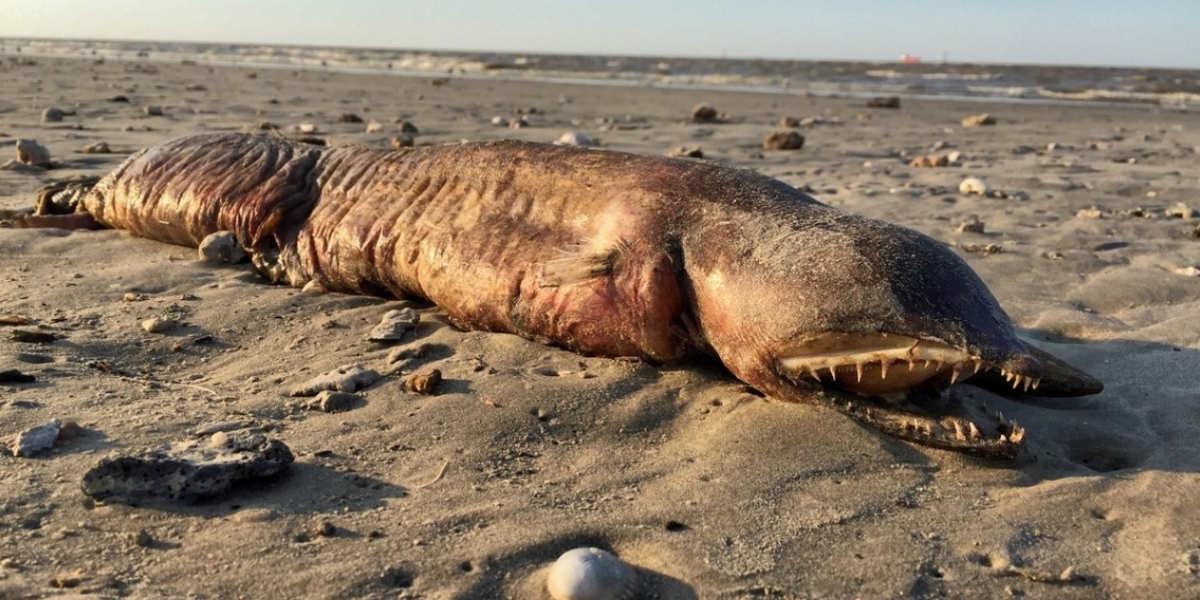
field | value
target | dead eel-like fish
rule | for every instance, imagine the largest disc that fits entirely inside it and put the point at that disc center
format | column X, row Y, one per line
column 611, row 254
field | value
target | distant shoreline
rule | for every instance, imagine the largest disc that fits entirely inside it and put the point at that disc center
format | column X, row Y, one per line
column 1037, row 84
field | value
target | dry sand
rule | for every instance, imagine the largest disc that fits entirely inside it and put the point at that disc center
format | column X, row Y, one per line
column 711, row 491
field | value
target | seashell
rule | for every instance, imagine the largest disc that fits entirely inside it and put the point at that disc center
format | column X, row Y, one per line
column 591, row 574
column 974, row 185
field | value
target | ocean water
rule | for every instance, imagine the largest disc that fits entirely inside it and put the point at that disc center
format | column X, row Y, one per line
column 1166, row 87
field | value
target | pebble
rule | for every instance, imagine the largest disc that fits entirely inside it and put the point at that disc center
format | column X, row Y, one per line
column 30, row 152
column 407, row 127
column 884, row 102
column 348, row 378
column 374, row 127
column 783, row 140
column 974, row 225
column 333, row 402
column 574, row 138
column 687, row 152
column 52, row 114
column 159, row 325
column 403, row 141
column 394, row 325
column 704, row 113
column 979, row 120
column 499, row 121
column 188, row 471
column 152, row 110
column 425, row 382
column 350, row 118
column 789, row 122
column 220, row 247
column 96, row 148
column 35, row 440
column 1090, row 213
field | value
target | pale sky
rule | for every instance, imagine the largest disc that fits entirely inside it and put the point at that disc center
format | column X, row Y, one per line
column 1157, row 33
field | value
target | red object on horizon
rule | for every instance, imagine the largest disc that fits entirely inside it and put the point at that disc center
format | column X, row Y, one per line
column 909, row 59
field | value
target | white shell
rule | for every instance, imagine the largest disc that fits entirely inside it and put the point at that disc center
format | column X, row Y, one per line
column 591, row 574
column 974, row 185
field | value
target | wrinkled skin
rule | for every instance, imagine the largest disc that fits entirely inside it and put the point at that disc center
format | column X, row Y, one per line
column 609, row 254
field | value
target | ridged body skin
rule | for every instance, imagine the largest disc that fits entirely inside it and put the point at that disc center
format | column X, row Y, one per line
column 604, row 253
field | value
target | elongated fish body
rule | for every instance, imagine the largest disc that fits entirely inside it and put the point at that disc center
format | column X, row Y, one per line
column 603, row 253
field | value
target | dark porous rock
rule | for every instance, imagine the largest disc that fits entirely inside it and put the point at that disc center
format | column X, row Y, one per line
column 884, row 102
column 15, row 376
column 191, row 471
column 28, row 336
column 394, row 325
column 784, row 140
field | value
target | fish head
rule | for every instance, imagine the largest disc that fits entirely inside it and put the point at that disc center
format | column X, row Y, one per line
column 864, row 305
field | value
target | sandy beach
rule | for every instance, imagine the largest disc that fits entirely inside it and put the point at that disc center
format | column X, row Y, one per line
column 708, row 489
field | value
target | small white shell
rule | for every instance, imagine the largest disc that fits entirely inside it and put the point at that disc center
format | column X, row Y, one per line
column 974, row 185
column 591, row 574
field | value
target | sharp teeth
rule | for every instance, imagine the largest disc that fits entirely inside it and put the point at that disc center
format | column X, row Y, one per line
column 958, row 431
column 939, row 365
column 1036, row 382
column 1017, row 434
column 978, row 366
column 958, row 369
column 911, row 364
column 1028, row 383
column 974, row 431
column 1003, row 438
column 832, row 374
column 858, row 368
column 883, row 368
column 1017, row 381
column 1000, row 417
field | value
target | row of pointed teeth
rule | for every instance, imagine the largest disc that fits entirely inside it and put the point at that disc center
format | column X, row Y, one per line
column 963, row 430
column 966, row 430
column 885, row 364
column 1018, row 381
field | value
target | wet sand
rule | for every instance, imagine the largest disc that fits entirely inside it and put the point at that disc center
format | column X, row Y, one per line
column 708, row 489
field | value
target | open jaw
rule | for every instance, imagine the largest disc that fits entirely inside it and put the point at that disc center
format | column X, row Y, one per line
column 883, row 370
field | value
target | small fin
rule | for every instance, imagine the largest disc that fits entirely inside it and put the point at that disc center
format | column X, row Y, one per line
column 581, row 263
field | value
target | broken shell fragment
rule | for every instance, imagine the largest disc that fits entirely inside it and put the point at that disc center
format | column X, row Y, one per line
column 35, row 440
column 393, row 325
column 591, row 574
